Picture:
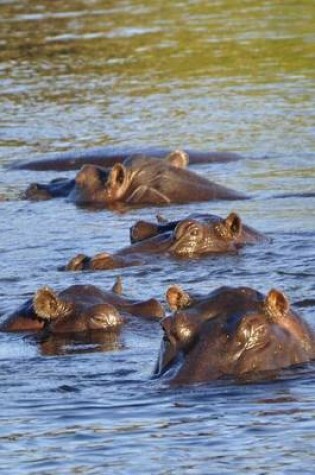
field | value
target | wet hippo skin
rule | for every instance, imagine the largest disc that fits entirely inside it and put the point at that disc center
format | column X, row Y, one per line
column 108, row 156
column 140, row 180
column 231, row 332
column 194, row 236
column 79, row 308
column 230, row 227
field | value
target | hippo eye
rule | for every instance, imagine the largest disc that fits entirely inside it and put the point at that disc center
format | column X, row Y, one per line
column 194, row 231
column 184, row 334
column 183, row 331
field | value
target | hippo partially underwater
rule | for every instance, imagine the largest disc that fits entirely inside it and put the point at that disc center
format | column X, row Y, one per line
column 236, row 333
column 79, row 308
column 219, row 232
column 140, row 180
column 192, row 237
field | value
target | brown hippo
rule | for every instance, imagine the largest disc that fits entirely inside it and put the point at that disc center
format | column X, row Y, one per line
column 108, row 156
column 195, row 236
column 139, row 180
column 228, row 228
column 79, row 308
column 231, row 332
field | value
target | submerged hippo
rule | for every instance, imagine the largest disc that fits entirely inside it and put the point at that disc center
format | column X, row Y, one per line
column 226, row 229
column 138, row 181
column 195, row 236
column 79, row 308
column 108, row 156
column 231, row 332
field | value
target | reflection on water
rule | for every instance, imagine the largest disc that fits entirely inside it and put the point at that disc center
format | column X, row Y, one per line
column 221, row 75
column 79, row 343
column 225, row 75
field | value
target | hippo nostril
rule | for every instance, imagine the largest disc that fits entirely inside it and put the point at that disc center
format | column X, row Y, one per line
column 37, row 191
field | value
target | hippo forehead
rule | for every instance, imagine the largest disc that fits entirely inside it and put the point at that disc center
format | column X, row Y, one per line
column 138, row 160
column 206, row 218
column 91, row 173
column 245, row 292
column 226, row 297
column 102, row 173
column 226, row 304
column 210, row 228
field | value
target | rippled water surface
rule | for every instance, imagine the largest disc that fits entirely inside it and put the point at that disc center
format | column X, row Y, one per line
column 221, row 75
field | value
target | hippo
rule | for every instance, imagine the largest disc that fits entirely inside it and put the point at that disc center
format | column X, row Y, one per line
column 192, row 237
column 140, row 180
column 231, row 226
column 236, row 333
column 109, row 156
column 79, row 308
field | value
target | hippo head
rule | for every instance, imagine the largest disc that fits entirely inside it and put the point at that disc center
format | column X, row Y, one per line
column 193, row 237
column 94, row 184
column 62, row 315
column 232, row 332
column 99, row 185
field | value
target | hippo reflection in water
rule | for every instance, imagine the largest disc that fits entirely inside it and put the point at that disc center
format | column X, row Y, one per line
column 79, row 308
column 231, row 332
column 195, row 236
column 139, row 180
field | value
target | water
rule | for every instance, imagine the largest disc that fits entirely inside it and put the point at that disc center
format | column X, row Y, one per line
column 222, row 75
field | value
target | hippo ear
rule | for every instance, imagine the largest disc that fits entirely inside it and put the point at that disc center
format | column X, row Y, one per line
column 276, row 303
column 117, row 287
column 117, row 175
column 234, row 224
column 177, row 298
column 178, row 159
column 48, row 306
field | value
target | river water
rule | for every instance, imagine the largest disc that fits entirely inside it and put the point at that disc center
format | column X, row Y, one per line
column 222, row 75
